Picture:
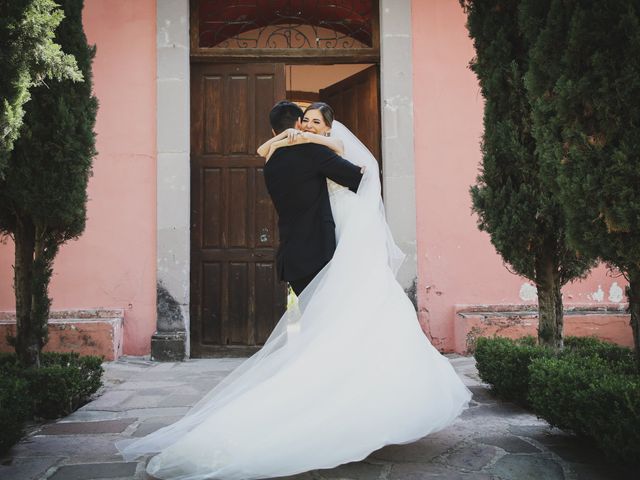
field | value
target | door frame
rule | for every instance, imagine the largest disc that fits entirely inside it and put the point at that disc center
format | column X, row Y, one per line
column 173, row 238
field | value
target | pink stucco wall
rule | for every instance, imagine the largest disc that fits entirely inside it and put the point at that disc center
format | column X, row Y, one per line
column 456, row 263
column 113, row 264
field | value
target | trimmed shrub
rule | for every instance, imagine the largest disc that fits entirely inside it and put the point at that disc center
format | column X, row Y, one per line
column 7, row 359
column 504, row 364
column 617, row 357
column 585, row 395
column 13, row 410
column 56, row 390
column 63, row 383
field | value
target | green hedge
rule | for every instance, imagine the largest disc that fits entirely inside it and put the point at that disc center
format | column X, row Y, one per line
column 586, row 396
column 591, row 387
column 13, row 409
column 619, row 358
column 63, row 383
column 504, row 364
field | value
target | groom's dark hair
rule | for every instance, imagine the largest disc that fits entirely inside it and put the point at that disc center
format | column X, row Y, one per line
column 284, row 115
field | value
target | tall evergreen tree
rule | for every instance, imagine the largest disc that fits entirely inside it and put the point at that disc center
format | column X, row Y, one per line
column 43, row 196
column 28, row 55
column 589, row 94
column 513, row 203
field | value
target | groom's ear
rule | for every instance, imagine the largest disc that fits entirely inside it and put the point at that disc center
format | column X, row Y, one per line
column 299, row 124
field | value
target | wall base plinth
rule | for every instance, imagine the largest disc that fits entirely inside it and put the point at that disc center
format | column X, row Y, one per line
column 87, row 332
column 169, row 346
column 607, row 322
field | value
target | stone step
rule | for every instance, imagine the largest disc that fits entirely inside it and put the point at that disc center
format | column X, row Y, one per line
column 88, row 332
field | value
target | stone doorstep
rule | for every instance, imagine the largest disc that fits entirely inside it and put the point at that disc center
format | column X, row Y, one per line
column 88, row 332
column 607, row 322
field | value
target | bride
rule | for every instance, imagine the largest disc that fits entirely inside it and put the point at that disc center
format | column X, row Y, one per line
column 346, row 370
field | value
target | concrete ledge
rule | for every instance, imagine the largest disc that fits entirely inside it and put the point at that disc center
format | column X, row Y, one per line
column 88, row 332
column 605, row 321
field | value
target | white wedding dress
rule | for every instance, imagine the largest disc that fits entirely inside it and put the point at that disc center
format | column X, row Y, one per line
column 346, row 371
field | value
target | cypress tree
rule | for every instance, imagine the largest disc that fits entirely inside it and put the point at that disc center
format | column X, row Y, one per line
column 28, row 55
column 43, row 197
column 590, row 98
column 513, row 202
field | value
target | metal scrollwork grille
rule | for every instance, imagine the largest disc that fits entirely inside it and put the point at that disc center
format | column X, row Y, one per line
column 337, row 24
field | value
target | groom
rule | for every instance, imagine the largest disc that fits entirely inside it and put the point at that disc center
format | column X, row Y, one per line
column 296, row 178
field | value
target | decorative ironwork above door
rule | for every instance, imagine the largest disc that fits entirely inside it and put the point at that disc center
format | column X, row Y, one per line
column 284, row 28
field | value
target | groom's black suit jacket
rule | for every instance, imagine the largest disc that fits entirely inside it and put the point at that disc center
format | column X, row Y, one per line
column 296, row 179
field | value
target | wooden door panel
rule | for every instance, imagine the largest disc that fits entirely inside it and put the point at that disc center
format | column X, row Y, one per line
column 213, row 115
column 238, row 121
column 238, row 306
column 212, row 208
column 266, row 300
column 265, row 215
column 212, row 303
column 356, row 103
column 349, row 101
column 236, row 298
column 264, row 103
column 237, row 208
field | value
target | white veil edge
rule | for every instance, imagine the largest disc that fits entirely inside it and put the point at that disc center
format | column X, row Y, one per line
column 357, row 153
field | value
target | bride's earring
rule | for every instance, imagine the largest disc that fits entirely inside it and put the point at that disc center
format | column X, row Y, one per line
column 327, row 134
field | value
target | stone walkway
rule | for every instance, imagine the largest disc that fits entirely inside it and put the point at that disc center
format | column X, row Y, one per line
column 491, row 440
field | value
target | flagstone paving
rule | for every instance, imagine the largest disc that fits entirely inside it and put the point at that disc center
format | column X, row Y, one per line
column 490, row 440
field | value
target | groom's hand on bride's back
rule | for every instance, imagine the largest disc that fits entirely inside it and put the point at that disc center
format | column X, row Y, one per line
column 336, row 168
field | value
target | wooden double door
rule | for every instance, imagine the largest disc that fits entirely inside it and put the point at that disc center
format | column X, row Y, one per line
column 236, row 298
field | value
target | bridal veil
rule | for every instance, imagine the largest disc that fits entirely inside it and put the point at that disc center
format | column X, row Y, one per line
column 345, row 371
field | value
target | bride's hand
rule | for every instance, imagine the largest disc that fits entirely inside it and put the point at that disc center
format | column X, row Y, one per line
column 293, row 135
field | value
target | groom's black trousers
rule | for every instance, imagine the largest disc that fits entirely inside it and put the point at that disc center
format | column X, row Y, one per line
column 300, row 284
